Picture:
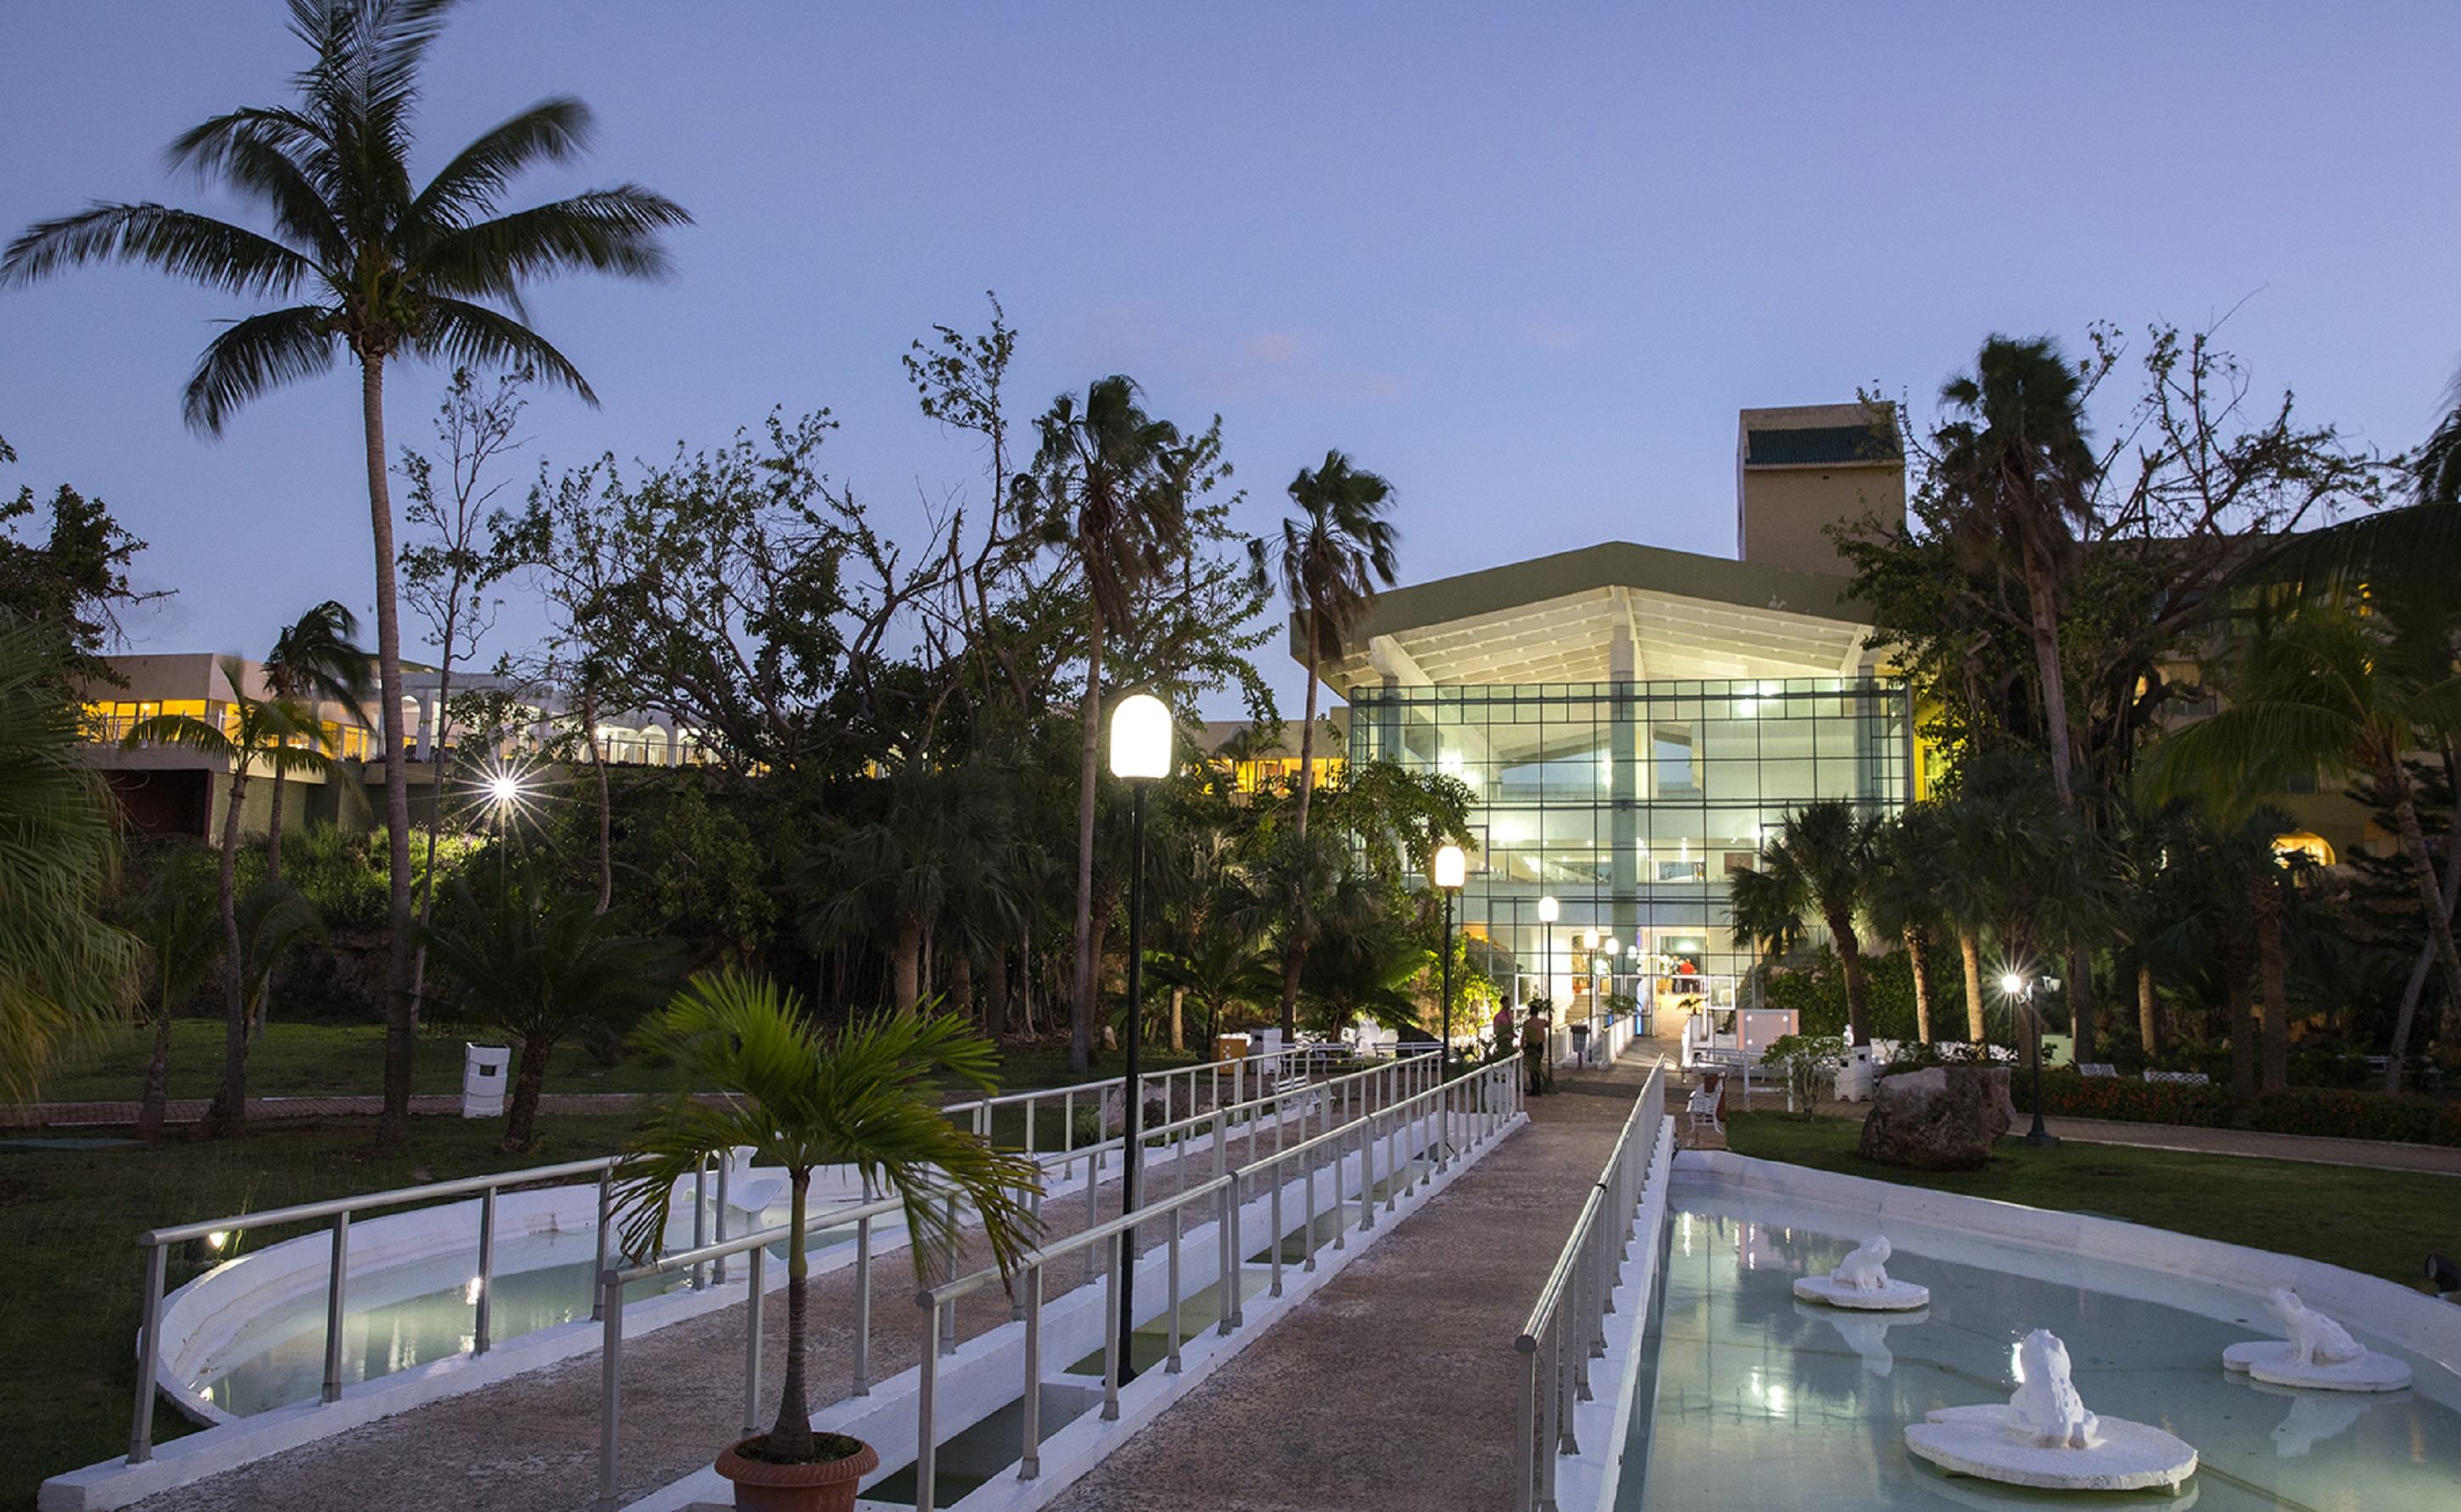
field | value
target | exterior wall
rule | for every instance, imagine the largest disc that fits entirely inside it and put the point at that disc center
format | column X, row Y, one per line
column 1630, row 803
column 1787, row 512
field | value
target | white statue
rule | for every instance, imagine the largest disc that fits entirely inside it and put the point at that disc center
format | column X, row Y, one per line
column 2314, row 1339
column 2045, row 1410
column 1864, row 1266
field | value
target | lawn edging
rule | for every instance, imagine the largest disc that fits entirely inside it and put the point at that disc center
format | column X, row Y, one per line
column 2422, row 1325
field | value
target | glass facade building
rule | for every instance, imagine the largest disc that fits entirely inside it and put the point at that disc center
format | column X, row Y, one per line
column 1630, row 803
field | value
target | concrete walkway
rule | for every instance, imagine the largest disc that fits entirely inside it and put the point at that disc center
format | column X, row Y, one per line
column 1392, row 1386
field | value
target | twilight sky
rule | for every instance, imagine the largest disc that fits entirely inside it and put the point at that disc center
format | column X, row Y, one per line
column 1526, row 261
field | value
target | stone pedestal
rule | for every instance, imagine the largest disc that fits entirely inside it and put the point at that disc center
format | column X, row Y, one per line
column 1941, row 1118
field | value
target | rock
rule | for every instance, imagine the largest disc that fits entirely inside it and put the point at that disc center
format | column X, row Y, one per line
column 1940, row 1119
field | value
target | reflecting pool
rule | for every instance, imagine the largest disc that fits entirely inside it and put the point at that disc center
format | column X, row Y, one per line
column 1755, row 1401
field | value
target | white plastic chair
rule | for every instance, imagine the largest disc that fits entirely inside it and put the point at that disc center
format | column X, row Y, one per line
column 1701, row 1109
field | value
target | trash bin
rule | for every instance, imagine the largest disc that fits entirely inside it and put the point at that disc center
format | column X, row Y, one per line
column 1581, row 1042
column 482, row 1080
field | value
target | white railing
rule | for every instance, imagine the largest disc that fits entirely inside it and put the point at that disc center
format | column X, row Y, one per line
column 1567, row 1325
column 1382, row 1107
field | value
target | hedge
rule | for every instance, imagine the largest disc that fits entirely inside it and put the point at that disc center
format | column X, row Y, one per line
column 2323, row 1111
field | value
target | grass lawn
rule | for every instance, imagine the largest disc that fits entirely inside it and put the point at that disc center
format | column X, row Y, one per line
column 72, row 1215
column 2382, row 1221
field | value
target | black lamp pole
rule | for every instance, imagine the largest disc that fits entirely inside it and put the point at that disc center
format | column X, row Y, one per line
column 2040, row 1136
column 1132, row 1095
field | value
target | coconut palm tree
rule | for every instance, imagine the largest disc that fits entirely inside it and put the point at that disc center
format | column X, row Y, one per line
column 2019, row 466
column 273, row 917
column 1112, row 484
column 802, row 1099
column 314, row 660
column 1903, row 895
column 546, row 968
column 373, row 269
column 63, row 971
column 2327, row 689
column 1819, row 863
column 176, row 919
column 271, row 734
column 1335, row 555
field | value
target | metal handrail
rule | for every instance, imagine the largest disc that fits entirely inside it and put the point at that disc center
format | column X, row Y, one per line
column 1566, row 1328
column 1484, row 1101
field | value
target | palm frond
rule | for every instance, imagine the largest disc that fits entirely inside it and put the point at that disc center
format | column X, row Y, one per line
column 181, row 242
column 552, row 131
column 278, row 158
column 605, row 230
column 255, row 355
column 469, row 335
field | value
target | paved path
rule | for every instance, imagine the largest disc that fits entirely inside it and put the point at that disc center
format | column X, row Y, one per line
column 2382, row 1155
column 1391, row 1388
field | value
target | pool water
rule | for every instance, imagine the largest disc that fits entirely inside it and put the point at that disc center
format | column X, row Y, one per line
column 409, row 1315
column 1752, row 1399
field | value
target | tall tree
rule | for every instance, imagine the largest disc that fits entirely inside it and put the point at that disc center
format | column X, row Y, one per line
column 382, row 271
column 1113, row 484
column 314, row 660
column 63, row 969
column 1819, row 862
column 1336, row 554
column 277, row 735
column 1903, row 896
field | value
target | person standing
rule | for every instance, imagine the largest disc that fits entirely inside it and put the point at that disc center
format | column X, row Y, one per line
column 1537, row 1031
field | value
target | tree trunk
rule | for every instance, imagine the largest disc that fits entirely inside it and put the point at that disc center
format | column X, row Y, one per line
column 1081, row 1001
column 1918, row 959
column 401, row 1029
column 2438, row 904
column 434, row 743
column 606, row 810
column 2264, row 899
column 2042, row 598
column 1850, row 958
column 2149, row 1012
column 153, row 1105
column 996, row 1001
column 2242, row 1032
column 790, row 1437
column 273, row 831
column 961, row 982
column 1969, row 947
column 2081, row 1010
column 906, row 965
column 528, row 1080
column 228, row 1115
column 1295, row 960
column 1178, row 1021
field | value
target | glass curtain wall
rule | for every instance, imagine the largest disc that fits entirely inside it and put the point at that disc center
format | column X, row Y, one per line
column 1630, row 804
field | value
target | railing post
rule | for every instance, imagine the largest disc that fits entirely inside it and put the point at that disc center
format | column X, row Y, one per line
column 862, row 1304
column 149, row 1350
column 1170, row 1364
column 700, row 1218
column 611, row 1387
column 1366, row 1172
column 1567, row 1390
column 927, row 1421
column 483, row 1325
column 1234, row 1283
column 1224, row 1202
column 1281, row 1235
column 718, row 1274
column 606, row 1222
column 1307, row 1246
column 1550, row 1411
column 1029, row 1461
column 1524, row 1426
column 336, row 1291
column 753, row 1262
column 1112, row 1343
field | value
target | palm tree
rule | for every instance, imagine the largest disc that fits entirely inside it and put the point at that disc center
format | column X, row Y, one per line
column 801, row 1100
column 63, row 971
column 272, row 918
column 1334, row 556
column 382, row 271
column 2329, row 688
column 1964, row 875
column 274, row 734
column 1819, row 862
column 1903, row 895
column 1112, row 484
column 313, row 661
column 545, row 968
column 2019, row 465
column 182, row 932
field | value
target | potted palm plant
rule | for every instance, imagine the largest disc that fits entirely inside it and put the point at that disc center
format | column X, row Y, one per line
column 801, row 1098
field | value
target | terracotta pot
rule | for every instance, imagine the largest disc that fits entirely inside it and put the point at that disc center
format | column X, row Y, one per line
column 827, row 1486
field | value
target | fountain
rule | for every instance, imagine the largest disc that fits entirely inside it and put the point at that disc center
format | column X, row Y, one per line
column 2043, row 1436
column 1866, row 1333
column 2318, row 1355
column 1861, row 1281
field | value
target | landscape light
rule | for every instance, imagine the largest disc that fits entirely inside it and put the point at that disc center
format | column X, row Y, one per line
column 504, row 789
column 1452, row 868
column 2012, row 983
column 1141, row 738
column 1548, row 909
column 217, row 1239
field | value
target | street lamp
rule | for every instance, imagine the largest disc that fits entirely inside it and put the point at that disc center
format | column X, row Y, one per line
column 2020, row 990
column 506, row 793
column 1451, row 869
column 1548, row 911
column 1140, row 754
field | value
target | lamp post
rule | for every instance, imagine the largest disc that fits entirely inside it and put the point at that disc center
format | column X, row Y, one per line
column 2021, row 989
column 1548, row 911
column 1450, row 870
column 504, row 796
column 1140, row 754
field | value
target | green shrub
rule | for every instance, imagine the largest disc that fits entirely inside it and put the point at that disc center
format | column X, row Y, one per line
column 1817, row 994
column 2327, row 1112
